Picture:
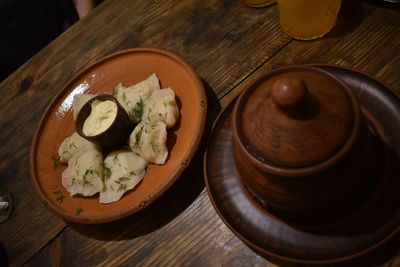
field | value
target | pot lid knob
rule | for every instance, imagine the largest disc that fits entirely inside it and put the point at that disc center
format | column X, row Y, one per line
column 289, row 94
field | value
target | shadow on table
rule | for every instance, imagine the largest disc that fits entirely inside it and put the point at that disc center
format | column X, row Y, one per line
column 384, row 256
column 386, row 4
column 171, row 204
column 349, row 18
column 351, row 15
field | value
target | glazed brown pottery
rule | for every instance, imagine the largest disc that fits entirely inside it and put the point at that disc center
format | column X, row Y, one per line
column 116, row 135
column 349, row 238
column 301, row 146
column 127, row 67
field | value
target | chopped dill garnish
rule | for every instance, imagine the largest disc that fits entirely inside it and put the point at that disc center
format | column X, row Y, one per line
column 138, row 136
column 79, row 211
column 60, row 197
column 115, row 92
column 107, row 173
column 123, row 179
column 137, row 111
column 84, row 178
column 74, row 181
column 72, row 145
column 85, row 181
column 121, row 182
column 124, row 97
column 56, row 162
column 115, row 159
column 132, row 173
column 121, row 187
column 154, row 146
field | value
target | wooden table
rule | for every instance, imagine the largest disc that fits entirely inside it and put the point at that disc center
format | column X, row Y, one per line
column 229, row 45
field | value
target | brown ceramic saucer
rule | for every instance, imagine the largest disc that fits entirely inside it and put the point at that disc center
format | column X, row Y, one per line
column 369, row 227
column 129, row 67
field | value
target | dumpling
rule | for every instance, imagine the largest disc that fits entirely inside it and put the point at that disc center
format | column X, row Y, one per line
column 79, row 101
column 148, row 140
column 73, row 145
column 132, row 98
column 161, row 106
column 84, row 174
column 123, row 171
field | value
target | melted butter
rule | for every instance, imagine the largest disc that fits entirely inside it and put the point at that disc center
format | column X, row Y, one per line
column 101, row 117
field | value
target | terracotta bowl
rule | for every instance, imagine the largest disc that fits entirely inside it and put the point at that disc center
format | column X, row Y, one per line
column 128, row 67
column 301, row 145
column 116, row 135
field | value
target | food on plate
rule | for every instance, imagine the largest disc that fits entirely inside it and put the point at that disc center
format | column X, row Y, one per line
column 132, row 98
column 148, row 140
column 152, row 109
column 78, row 102
column 123, row 170
column 74, row 144
column 101, row 117
column 161, row 106
column 84, row 174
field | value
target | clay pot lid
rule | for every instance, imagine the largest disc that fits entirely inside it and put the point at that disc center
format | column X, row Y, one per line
column 296, row 117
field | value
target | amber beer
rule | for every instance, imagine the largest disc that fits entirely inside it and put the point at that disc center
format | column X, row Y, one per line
column 258, row 3
column 308, row 19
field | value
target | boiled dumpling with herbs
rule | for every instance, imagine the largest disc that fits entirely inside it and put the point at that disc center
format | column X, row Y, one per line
column 78, row 102
column 74, row 144
column 84, row 175
column 123, row 170
column 161, row 106
column 148, row 140
column 132, row 98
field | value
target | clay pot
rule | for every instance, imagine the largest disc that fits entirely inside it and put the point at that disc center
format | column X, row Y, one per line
column 116, row 135
column 302, row 147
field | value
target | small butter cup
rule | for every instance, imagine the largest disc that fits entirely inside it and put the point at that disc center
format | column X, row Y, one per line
column 116, row 135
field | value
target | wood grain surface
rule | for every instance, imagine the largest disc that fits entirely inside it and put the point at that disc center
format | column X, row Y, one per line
column 229, row 45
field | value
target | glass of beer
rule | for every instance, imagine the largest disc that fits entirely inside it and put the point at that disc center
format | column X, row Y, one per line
column 258, row 3
column 308, row 19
